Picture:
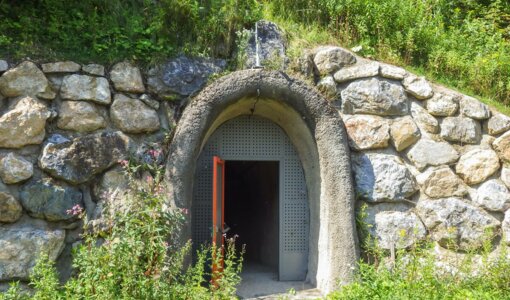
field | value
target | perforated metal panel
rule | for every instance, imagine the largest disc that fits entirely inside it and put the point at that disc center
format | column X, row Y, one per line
column 255, row 138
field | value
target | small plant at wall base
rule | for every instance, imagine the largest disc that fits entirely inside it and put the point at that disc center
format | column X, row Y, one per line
column 417, row 273
column 140, row 257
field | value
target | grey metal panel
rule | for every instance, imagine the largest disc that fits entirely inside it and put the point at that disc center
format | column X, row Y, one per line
column 258, row 139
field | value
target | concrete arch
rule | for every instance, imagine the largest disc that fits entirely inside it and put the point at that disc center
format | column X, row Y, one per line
column 318, row 134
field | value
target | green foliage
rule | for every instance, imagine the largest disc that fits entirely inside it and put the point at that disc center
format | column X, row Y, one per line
column 111, row 30
column 465, row 43
column 420, row 273
column 142, row 256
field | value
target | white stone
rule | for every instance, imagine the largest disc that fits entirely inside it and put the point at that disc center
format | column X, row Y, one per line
column 502, row 146
column 425, row 121
column 14, row 169
column 441, row 182
column 367, row 132
column 327, row 86
column 418, row 87
column 505, row 175
column 470, row 107
column 392, row 72
column 23, row 244
column 461, row 129
column 404, row 133
column 493, row 195
column 25, row 80
column 401, row 229
column 427, row 152
column 382, row 177
column 376, row 97
column 24, row 124
column 329, row 59
column 93, row 69
column 4, row 66
column 477, row 165
column 443, row 105
column 127, row 78
column 505, row 226
column 498, row 123
column 357, row 71
column 81, row 116
column 84, row 87
column 453, row 222
column 133, row 116
column 61, row 67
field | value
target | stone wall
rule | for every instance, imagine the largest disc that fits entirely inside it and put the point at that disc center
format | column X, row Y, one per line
column 64, row 127
column 428, row 161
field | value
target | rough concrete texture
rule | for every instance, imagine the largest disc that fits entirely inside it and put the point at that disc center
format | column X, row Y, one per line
column 334, row 246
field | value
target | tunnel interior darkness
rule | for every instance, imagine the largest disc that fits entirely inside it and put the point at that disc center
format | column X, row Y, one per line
column 251, row 209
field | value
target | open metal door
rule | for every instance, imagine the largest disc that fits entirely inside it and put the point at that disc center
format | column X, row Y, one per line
column 218, row 205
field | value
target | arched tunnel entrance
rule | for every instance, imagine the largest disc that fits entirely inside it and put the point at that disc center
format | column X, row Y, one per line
column 322, row 237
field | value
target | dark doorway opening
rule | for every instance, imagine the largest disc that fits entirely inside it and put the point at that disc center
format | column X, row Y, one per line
column 251, row 209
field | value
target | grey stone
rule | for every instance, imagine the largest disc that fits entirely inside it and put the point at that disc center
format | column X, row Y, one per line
column 14, row 168
column 4, row 66
column 382, row 177
column 498, row 123
column 327, row 86
column 48, row 199
column 127, row 78
column 111, row 193
column 502, row 147
column 24, row 124
column 271, row 45
column 147, row 99
column 10, row 209
column 461, row 129
column 374, row 96
column 81, row 116
column 329, row 59
column 367, row 132
column 57, row 139
column 392, row 72
column 133, row 116
column 399, row 229
column 404, row 133
column 505, row 226
column 357, row 71
column 418, row 87
column 493, row 195
column 455, row 223
column 182, row 75
column 93, row 69
column 79, row 160
column 470, row 107
column 427, row 152
column 84, row 87
column 23, row 244
column 443, row 105
column 25, row 80
column 425, row 121
column 441, row 182
column 61, row 67
column 477, row 165
column 505, row 175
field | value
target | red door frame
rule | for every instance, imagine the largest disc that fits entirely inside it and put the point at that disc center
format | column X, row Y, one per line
column 218, row 241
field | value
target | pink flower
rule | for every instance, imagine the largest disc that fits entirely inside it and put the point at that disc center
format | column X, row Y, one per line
column 123, row 163
column 154, row 153
column 184, row 211
column 75, row 210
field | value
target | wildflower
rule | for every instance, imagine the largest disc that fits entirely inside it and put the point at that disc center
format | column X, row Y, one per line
column 75, row 210
column 165, row 244
column 184, row 211
column 123, row 163
column 154, row 153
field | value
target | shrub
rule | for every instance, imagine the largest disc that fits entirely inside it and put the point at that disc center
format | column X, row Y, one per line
column 141, row 256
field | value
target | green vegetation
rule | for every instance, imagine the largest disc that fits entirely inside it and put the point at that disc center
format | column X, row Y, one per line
column 416, row 273
column 137, row 253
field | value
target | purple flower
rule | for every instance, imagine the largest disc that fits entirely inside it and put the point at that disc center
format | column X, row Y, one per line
column 75, row 210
